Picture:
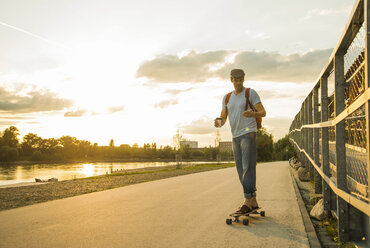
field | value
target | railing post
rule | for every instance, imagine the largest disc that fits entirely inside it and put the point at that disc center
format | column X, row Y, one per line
column 318, row 183
column 299, row 134
column 301, row 137
column 340, row 147
column 307, row 163
column 310, row 136
column 367, row 85
column 325, row 142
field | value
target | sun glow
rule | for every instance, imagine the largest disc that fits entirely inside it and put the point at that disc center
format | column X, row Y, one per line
column 87, row 170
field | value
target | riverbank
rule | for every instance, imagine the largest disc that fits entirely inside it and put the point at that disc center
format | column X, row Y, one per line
column 13, row 197
column 77, row 161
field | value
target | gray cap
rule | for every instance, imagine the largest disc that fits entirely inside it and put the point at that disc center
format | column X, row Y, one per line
column 237, row 73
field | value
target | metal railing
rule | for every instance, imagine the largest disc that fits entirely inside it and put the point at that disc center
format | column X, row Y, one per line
column 331, row 132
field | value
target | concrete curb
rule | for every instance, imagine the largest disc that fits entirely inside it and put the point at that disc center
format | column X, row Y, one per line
column 310, row 230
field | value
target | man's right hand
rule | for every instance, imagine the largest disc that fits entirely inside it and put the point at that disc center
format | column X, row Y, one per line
column 216, row 123
column 223, row 115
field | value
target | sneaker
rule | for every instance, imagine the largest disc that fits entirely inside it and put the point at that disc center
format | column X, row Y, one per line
column 243, row 209
column 254, row 203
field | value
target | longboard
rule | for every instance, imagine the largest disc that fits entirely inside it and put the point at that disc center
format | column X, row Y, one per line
column 245, row 221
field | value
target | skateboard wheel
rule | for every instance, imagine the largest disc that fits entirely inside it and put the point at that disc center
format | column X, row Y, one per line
column 245, row 222
column 262, row 213
column 229, row 221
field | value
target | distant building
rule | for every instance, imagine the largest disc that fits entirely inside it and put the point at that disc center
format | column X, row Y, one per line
column 191, row 144
column 225, row 146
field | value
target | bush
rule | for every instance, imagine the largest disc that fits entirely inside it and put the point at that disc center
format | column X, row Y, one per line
column 8, row 154
column 283, row 149
column 37, row 156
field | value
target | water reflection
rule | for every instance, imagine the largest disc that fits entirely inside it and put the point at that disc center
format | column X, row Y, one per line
column 88, row 170
column 8, row 172
column 18, row 173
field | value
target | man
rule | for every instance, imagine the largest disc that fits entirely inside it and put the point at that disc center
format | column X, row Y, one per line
column 244, row 131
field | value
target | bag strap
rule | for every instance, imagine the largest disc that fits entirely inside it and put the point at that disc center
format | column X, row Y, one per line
column 248, row 103
column 227, row 99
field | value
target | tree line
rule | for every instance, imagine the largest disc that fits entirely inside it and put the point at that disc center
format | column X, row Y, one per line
column 69, row 149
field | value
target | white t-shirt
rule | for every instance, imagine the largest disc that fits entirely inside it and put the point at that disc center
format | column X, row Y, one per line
column 239, row 124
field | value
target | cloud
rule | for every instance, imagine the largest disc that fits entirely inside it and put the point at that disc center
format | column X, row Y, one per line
column 259, row 66
column 325, row 12
column 16, row 117
column 33, row 122
column 31, row 101
column 201, row 126
column 275, row 67
column 176, row 92
column 192, row 67
column 7, row 123
column 112, row 110
column 166, row 103
column 279, row 126
column 109, row 111
column 76, row 113
column 267, row 94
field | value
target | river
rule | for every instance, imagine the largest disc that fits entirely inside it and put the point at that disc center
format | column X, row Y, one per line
column 13, row 174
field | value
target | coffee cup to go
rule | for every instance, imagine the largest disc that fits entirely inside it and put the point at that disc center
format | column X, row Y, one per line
column 219, row 121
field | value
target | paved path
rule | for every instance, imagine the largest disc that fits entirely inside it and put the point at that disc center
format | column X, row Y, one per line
column 185, row 211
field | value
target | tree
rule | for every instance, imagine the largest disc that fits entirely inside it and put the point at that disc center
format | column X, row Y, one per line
column 8, row 154
column 111, row 143
column 50, row 145
column 70, row 145
column 30, row 143
column 177, row 138
column 167, row 152
column 211, row 152
column 84, row 148
column 185, row 151
column 264, row 145
column 283, row 149
column 37, row 156
column 10, row 137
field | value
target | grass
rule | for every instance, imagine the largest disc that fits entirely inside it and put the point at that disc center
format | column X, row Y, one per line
column 188, row 168
column 331, row 227
column 330, row 224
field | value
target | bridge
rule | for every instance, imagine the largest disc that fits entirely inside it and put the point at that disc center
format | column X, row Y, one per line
column 330, row 133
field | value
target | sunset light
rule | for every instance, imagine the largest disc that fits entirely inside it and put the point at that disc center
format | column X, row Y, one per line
column 139, row 80
column 184, row 123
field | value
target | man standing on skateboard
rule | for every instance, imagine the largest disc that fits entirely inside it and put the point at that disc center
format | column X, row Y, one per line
column 244, row 131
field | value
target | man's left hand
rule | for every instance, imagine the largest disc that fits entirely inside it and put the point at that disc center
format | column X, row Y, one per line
column 249, row 113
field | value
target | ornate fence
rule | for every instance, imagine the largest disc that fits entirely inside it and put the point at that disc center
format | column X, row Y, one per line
column 331, row 132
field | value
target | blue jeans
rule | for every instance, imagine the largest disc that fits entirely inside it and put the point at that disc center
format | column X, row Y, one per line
column 245, row 155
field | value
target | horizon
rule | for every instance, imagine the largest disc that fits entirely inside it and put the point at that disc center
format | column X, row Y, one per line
column 95, row 72
column 131, row 145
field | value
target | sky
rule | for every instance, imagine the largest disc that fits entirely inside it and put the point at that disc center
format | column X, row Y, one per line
column 139, row 71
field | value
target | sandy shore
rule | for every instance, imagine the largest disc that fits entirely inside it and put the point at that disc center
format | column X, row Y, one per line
column 25, row 194
column 20, row 185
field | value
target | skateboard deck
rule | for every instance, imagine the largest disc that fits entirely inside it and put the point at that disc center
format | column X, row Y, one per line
column 245, row 221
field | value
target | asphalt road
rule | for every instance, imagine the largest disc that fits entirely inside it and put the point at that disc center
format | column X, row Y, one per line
column 185, row 211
